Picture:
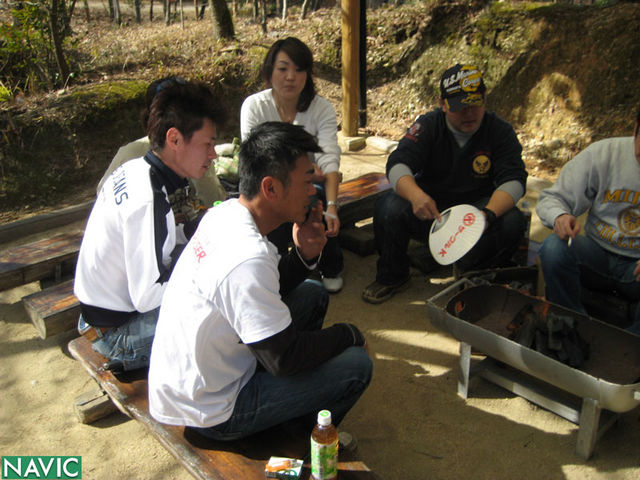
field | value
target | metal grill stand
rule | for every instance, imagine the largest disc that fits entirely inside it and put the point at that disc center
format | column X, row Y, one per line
column 593, row 421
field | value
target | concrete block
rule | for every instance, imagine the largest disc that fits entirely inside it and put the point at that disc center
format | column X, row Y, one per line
column 383, row 144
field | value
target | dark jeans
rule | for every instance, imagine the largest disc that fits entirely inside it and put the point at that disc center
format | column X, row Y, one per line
column 332, row 260
column 563, row 268
column 266, row 400
column 394, row 224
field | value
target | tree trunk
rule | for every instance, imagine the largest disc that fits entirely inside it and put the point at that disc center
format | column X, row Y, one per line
column 263, row 23
column 137, row 7
column 56, row 39
column 284, row 9
column 167, row 12
column 256, row 9
column 117, row 17
column 181, row 14
column 222, row 21
column 200, row 6
column 303, row 10
column 86, row 10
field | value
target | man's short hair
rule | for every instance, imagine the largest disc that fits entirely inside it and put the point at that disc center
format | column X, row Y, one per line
column 183, row 106
column 271, row 150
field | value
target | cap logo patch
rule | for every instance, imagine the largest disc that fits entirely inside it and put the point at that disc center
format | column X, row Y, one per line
column 471, row 82
column 467, row 79
column 473, row 100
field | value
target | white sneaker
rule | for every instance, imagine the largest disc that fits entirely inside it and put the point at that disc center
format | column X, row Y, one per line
column 333, row 284
column 347, row 442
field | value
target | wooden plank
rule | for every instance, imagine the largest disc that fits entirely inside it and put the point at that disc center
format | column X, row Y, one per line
column 358, row 196
column 40, row 259
column 40, row 223
column 204, row 458
column 53, row 310
column 92, row 406
column 360, row 240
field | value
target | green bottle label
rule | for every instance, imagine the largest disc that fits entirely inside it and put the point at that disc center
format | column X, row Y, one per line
column 324, row 460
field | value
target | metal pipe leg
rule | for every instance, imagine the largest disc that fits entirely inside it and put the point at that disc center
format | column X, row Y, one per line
column 465, row 369
column 588, row 432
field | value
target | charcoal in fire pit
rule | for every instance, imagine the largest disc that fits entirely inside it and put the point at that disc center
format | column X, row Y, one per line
column 550, row 334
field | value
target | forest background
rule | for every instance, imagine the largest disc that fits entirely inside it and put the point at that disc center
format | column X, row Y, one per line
column 563, row 74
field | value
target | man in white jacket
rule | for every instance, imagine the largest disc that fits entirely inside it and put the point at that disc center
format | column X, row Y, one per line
column 142, row 217
column 603, row 179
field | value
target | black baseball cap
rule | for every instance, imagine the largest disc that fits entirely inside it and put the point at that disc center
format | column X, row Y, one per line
column 462, row 86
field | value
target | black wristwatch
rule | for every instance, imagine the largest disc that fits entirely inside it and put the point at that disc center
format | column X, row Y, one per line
column 490, row 214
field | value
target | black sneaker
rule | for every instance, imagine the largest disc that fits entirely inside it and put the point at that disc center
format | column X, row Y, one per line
column 377, row 293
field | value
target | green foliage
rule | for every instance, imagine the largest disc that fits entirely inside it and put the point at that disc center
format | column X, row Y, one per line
column 5, row 93
column 26, row 46
column 66, row 131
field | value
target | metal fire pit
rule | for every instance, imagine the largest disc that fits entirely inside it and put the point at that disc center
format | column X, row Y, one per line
column 608, row 383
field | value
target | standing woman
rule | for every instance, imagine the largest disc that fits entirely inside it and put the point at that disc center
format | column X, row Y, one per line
column 292, row 98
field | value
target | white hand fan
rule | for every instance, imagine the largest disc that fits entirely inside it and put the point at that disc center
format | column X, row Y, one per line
column 459, row 229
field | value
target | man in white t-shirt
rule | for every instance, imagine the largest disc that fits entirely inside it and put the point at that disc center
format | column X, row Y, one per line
column 239, row 345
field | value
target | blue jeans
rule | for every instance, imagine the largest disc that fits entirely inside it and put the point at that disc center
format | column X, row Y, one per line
column 332, row 260
column 336, row 385
column 130, row 343
column 394, row 224
column 563, row 266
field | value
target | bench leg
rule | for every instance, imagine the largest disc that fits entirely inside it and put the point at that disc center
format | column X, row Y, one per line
column 94, row 405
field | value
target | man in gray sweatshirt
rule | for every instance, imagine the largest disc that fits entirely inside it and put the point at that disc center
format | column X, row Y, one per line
column 603, row 180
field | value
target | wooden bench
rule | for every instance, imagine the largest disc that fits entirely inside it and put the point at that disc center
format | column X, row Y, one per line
column 53, row 310
column 50, row 257
column 357, row 198
column 206, row 459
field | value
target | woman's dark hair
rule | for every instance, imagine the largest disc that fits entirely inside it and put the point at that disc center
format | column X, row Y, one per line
column 637, row 124
column 272, row 150
column 183, row 106
column 302, row 57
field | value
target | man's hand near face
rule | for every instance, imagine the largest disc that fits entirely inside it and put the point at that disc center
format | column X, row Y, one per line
column 310, row 237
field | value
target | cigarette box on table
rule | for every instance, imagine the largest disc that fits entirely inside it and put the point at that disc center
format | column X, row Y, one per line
column 283, row 468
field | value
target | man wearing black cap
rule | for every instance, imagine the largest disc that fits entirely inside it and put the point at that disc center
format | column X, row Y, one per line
column 456, row 154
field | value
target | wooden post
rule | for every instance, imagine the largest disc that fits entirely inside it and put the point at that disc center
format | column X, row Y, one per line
column 350, row 66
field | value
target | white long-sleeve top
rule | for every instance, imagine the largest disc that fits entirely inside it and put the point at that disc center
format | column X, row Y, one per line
column 319, row 120
column 125, row 256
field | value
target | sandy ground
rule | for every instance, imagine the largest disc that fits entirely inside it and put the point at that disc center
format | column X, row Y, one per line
column 410, row 423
